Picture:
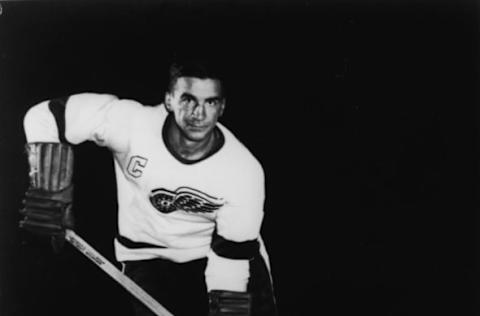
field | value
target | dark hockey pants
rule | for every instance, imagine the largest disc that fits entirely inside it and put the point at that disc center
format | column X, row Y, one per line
column 180, row 287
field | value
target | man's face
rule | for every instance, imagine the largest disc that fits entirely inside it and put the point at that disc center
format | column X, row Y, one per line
column 196, row 104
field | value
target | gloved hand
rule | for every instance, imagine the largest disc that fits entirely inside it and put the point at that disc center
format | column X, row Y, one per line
column 229, row 303
column 47, row 213
column 47, row 206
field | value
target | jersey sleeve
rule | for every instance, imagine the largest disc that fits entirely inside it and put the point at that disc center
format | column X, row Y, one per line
column 101, row 118
column 235, row 239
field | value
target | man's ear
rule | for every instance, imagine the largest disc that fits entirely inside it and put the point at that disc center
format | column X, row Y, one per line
column 168, row 100
column 222, row 108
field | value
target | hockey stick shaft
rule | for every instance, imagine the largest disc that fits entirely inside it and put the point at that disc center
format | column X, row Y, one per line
column 116, row 274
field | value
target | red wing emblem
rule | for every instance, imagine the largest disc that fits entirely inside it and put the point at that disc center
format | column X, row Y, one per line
column 184, row 199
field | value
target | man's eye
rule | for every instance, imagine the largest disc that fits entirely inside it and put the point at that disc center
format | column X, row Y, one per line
column 187, row 100
column 212, row 103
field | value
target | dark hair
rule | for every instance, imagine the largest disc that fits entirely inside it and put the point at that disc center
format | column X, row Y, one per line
column 197, row 68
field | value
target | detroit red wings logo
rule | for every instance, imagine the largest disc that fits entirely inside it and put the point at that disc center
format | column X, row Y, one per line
column 184, row 199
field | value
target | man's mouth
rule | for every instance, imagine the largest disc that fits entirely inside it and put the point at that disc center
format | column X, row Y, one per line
column 196, row 126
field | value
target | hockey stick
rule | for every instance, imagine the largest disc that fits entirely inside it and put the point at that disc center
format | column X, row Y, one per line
column 116, row 274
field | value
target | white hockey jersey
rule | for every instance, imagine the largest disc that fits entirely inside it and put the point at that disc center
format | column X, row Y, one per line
column 168, row 207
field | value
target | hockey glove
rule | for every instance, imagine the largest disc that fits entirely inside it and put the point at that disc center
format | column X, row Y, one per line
column 48, row 201
column 229, row 303
column 47, row 212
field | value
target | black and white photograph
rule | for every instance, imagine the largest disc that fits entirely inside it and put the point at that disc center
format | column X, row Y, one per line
column 253, row 158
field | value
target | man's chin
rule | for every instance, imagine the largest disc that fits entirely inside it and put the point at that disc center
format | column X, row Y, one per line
column 196, row 136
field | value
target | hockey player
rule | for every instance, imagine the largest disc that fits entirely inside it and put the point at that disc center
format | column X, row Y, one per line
column 190, row 195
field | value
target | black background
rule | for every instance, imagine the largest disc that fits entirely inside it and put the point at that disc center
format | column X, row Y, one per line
column 362, row 113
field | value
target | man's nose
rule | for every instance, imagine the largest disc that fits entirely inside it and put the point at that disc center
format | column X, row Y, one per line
column 199, row 111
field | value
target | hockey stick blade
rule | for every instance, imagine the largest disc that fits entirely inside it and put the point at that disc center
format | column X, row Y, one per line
column 115, row 274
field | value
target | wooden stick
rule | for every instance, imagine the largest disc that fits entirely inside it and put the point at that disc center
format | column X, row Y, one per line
column 116, row 274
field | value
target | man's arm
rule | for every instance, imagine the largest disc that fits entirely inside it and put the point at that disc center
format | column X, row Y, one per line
column 51, row 127
column 235, row 243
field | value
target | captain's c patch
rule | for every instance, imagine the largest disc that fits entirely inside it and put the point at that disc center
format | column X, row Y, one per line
column 184, row 199
column 136, row 165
